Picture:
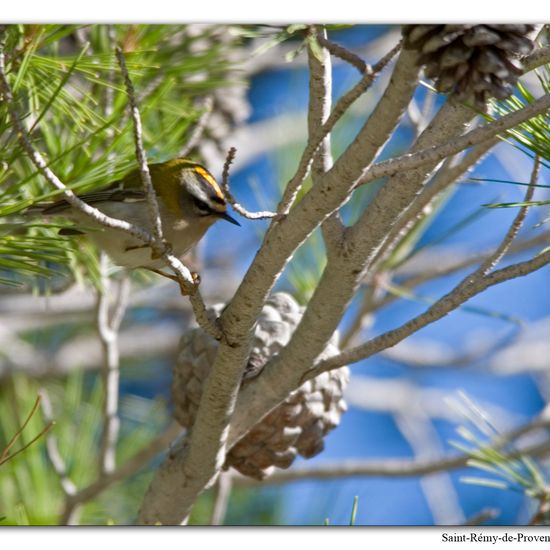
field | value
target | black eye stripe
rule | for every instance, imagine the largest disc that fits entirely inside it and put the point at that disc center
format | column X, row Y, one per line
column 202, row 206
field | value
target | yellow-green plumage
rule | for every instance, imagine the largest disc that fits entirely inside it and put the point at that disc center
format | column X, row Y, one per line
column 165, row 177
column 189, row 198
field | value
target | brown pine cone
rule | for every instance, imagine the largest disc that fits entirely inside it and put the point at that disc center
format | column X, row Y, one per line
column 475, row 62
column 296, row 426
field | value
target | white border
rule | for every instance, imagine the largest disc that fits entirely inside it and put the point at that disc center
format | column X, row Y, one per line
column 246, row 538
column 279, row 11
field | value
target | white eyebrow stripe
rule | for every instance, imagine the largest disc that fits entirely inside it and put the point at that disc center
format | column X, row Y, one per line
column 197, row 190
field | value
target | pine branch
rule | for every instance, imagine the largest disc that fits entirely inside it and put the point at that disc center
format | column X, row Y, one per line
column 397, row 468
column 108, row 329
column 460, row 294
column 437, row 153
column 229, row 196
column 185, row 474
column 293, row 186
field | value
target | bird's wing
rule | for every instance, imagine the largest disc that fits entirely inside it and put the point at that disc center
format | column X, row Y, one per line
column 117, row 192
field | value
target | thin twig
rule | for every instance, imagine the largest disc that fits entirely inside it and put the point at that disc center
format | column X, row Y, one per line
column 512, row 232
column 343, row 53
column 229, row 196
column 42, row 432
column 489, row 264
column 221, row 501
column 52, row 448
column 152, row 202
column 159, row 245
column 481, row 517
column 436, row 153
column 293, row 186
column 108, row 326
column 391, row 468
column 18, row 433
column 441, row 271
column 5, row 456
column 469, row 287
column 129, row 468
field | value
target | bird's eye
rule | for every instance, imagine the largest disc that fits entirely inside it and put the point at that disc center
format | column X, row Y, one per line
column 202, row 207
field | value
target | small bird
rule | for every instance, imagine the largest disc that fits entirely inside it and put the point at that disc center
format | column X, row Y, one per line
column 189, row 198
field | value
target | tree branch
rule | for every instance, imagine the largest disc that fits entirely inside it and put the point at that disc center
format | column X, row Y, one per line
column 59, row 466
column 541, row 56
column 460, row 294
column 281, row 376
column 320, row 99
column 108, row 326
column 152, row 202
column 393, row 468
column 293, row 186
column 512, row 232
column 223, row 493
column 435, row 154
column 187, row 472
column 57, row 462
column 443, row 270
column 386, row 468
column 229, row 196
column 343, row 53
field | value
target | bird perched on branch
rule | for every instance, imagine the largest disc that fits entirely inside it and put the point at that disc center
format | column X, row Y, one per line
column 189, row 199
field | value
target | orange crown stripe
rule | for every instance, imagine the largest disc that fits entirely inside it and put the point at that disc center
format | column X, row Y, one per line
column 206, row 175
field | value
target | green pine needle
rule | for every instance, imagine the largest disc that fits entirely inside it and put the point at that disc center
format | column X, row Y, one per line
column 85, row 138
column 354, row 510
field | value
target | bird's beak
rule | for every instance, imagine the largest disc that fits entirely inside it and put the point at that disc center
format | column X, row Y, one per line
column 228, row 218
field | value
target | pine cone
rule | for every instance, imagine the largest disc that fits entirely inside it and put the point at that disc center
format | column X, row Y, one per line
column 296, row 426
column 476, row 62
